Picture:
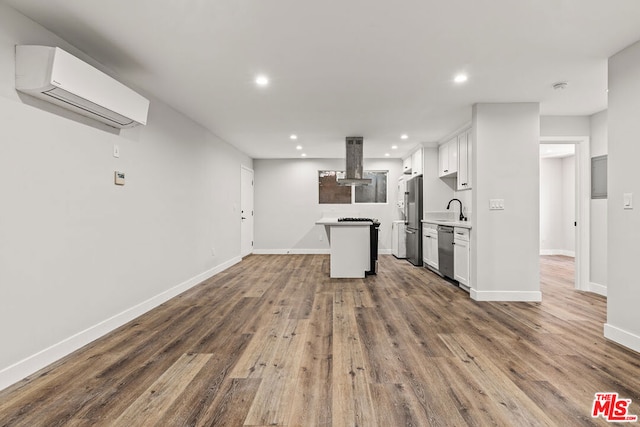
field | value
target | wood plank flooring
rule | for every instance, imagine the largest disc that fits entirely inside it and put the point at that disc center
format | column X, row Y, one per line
column 275, row 341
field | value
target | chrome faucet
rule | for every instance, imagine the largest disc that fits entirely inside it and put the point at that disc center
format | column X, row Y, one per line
column 462, row 217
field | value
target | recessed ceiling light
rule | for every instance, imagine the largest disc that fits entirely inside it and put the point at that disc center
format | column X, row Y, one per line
column 294, row 136
column 404, row 136
column 387, row 154
column 394, row 147
column 460, row 78
column 298, row 147
column 262, row 80
column 303, row 155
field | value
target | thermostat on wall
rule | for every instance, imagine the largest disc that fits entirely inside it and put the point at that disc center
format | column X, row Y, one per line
column 119, row 178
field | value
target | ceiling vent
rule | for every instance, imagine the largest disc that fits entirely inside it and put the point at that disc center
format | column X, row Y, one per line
column 58, row 77
column 354, row 163
column 560, row 85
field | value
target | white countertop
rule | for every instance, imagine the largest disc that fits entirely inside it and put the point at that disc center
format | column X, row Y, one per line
column 463, row 224
column 334, row 221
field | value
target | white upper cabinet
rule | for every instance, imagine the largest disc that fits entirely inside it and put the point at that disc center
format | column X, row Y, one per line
column 443, row 159
column 412, row 165
column 448, row 158
column 416, row 162
column 454, row 158
column 464, row 160
column 406, row 165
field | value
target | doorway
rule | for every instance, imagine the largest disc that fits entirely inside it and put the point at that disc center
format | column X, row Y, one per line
column 558, row 207
column 246, row 211
column 582, row 199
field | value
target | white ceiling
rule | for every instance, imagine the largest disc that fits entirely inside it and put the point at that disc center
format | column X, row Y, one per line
column 348, row 67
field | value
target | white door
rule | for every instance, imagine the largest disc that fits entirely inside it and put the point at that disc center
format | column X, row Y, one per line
column 246, row 211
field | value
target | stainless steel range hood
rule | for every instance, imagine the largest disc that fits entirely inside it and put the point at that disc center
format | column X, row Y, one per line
column 354, row 163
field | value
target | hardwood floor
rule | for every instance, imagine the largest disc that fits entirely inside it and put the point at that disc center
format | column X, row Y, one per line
column 275, row 341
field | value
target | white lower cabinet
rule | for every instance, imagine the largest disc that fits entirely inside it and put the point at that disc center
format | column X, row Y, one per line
column 430, row 245
column 461, row 256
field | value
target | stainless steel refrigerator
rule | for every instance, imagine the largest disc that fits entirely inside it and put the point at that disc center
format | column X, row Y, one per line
column 413, row 218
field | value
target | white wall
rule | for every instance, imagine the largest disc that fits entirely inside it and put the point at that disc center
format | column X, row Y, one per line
column 287, row 207
column 465, row 197
column 557, row 206
column 551, row 235
column 437, row 191
column 79, row 254
column 505, row 243
column 598, row 226
column 623, row 290
column 568, row 205
column 564, row 126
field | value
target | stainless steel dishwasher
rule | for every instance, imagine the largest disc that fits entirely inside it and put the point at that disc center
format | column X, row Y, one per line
column 445, row 250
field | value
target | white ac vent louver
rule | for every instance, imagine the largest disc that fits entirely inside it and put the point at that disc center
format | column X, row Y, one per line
column 56, row 76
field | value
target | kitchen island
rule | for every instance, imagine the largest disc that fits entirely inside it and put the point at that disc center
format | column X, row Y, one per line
column 349, row 247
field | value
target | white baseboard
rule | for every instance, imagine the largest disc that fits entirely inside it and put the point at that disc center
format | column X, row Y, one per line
column 558, row 252
column 622, row 337
column 27, row 366
column 291, row 251
column 304, row 251
column 516, row 296
column 598, row 289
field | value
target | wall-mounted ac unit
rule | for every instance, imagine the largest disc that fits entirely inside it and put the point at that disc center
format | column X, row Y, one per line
column 56, row 76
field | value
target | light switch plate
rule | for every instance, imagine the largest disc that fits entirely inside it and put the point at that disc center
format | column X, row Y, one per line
column 627, row 200
column 496, row 204
column 116, row 151
column 118, row 178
